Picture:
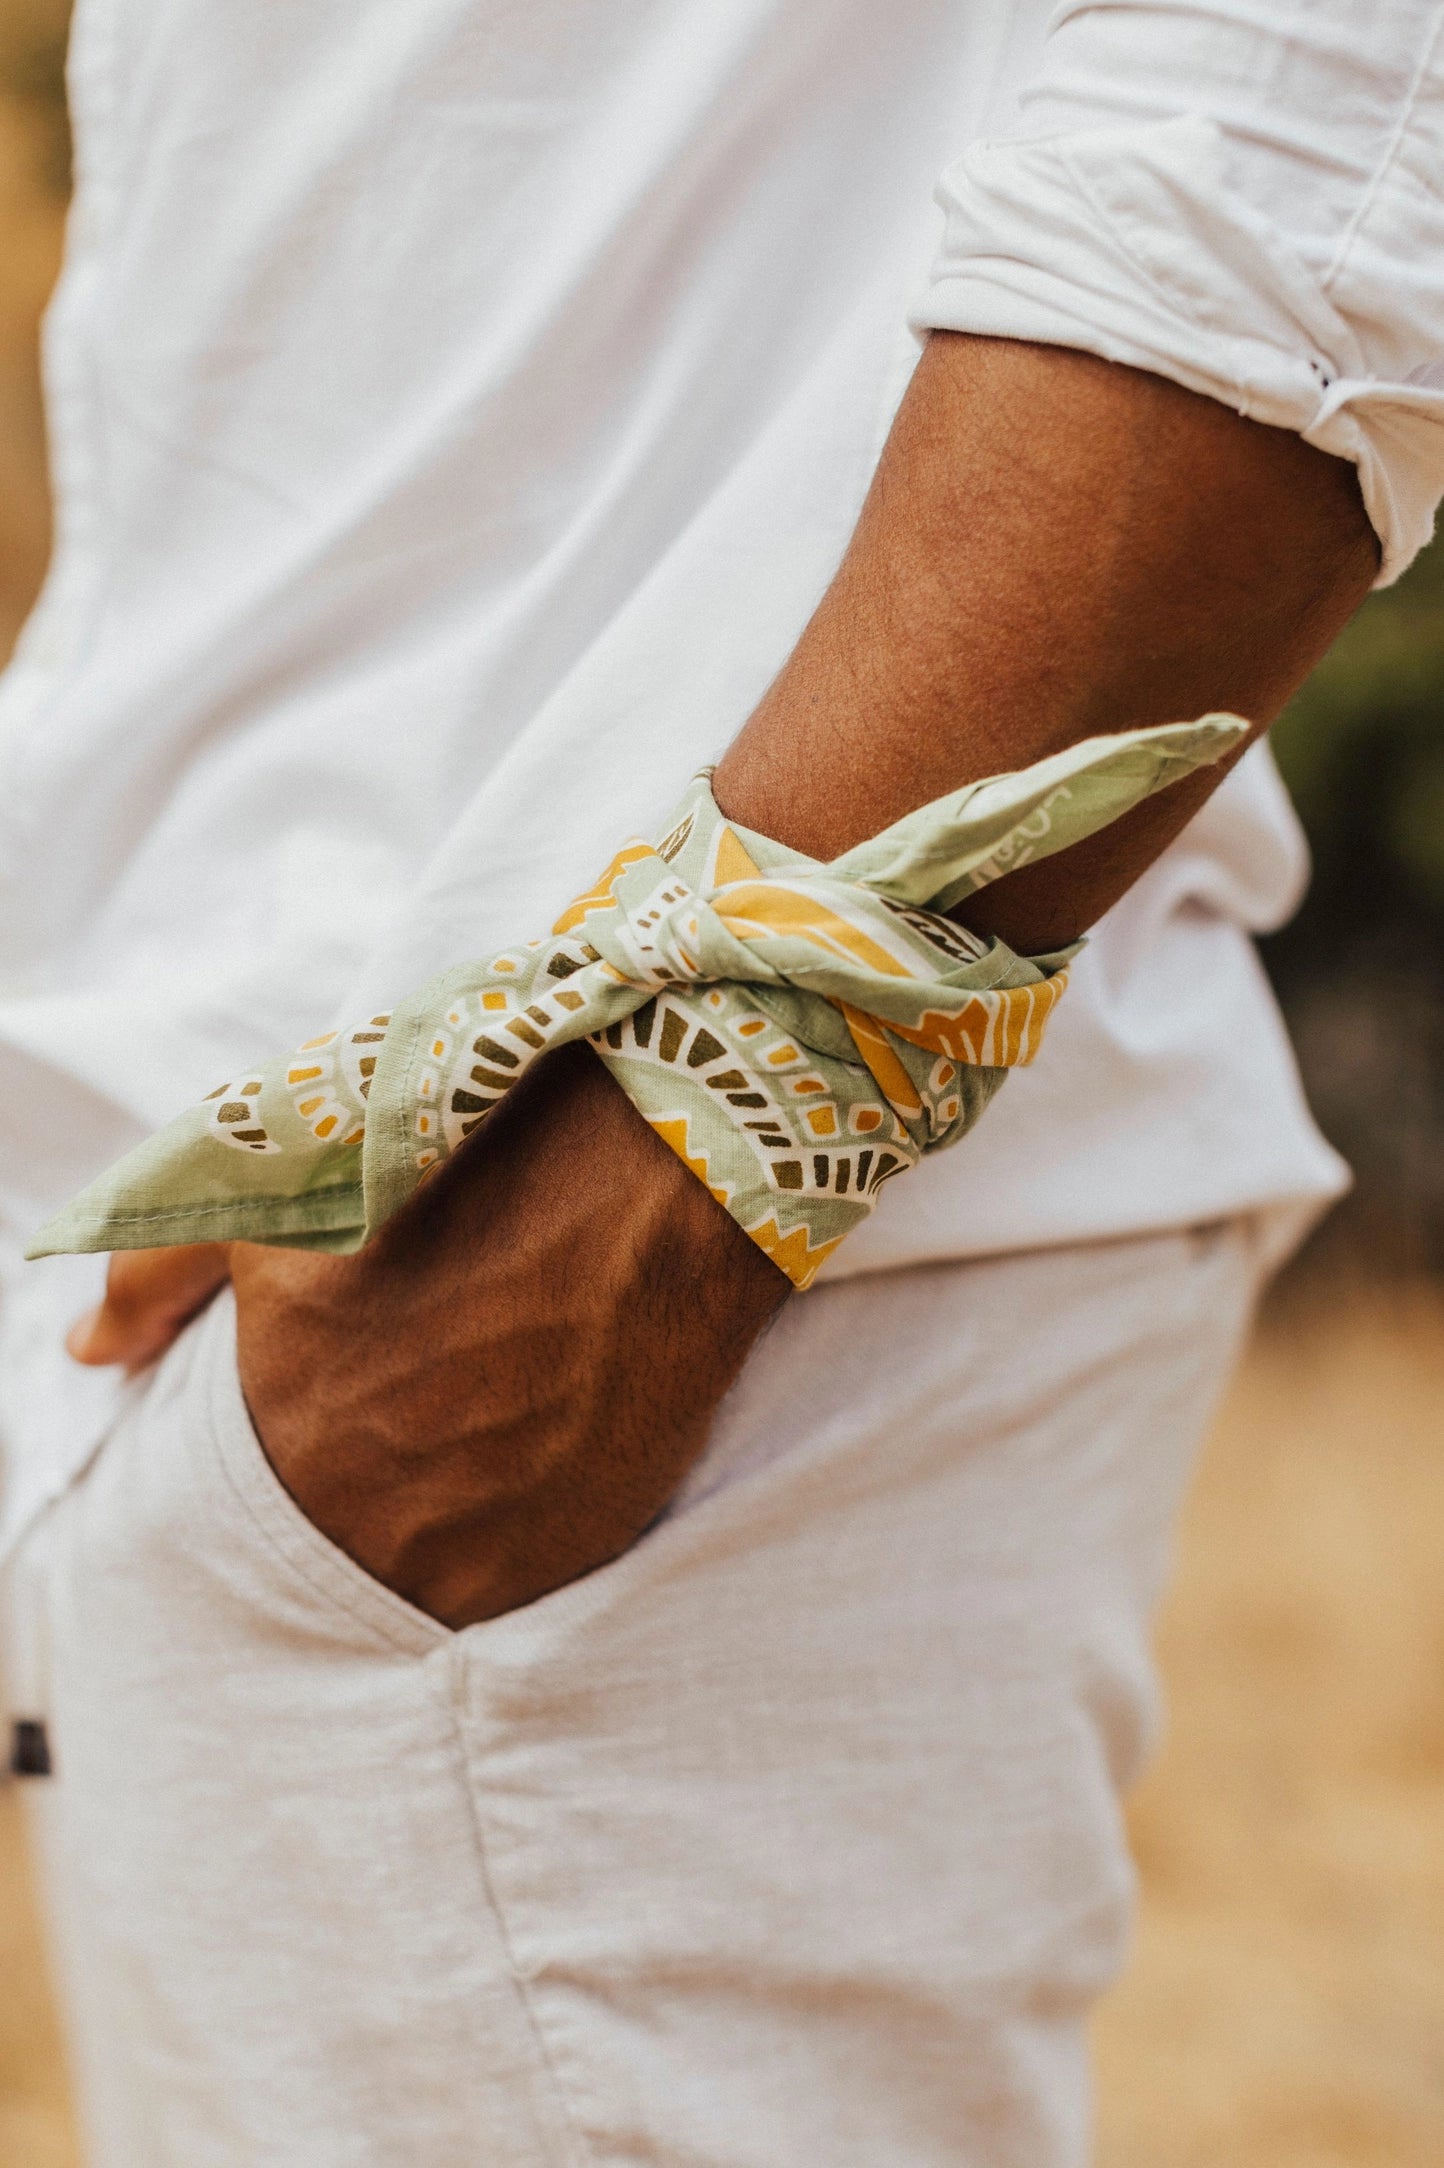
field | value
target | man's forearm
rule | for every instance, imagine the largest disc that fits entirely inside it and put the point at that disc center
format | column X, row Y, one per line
column 504, row 1388
column 1052, row 546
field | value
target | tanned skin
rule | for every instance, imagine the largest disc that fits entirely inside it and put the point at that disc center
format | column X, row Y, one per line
column 506, row 1387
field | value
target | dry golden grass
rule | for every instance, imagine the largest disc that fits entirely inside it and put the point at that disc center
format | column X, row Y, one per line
column 31, row 149
column 35, row 2126
column 1286, row 2007
column 35, row 2129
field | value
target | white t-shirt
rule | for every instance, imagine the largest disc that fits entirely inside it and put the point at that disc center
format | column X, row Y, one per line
column 457, row 409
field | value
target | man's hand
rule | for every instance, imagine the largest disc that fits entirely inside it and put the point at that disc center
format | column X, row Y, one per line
column 502, row 1390
column 150, row 1296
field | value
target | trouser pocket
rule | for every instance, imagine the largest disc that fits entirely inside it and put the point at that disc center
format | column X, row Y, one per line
column 274, row 1520
column 275, row 1935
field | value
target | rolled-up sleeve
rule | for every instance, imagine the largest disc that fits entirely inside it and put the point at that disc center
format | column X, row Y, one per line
column 1246, row 198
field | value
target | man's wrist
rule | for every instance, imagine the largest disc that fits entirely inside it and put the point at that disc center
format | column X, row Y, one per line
column 670, row 1227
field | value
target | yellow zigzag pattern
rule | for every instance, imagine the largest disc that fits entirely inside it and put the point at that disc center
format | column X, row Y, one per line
column 792, row 1253
column 673, row 1131
column 597, row 898
column 998, row 1030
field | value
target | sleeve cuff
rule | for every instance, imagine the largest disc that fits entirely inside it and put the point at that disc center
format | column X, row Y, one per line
column 1128, row 242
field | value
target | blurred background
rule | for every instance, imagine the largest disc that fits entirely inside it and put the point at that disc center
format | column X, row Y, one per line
column 1285, row 2007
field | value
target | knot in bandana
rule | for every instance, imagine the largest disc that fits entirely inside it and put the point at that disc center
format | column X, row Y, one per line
column 797, row 1033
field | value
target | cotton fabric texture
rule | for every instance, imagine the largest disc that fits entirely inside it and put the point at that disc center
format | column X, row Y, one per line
column 797, row 1033
column 792, row 1837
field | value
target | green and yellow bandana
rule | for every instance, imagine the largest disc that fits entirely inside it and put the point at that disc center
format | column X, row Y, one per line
column 798, row 1033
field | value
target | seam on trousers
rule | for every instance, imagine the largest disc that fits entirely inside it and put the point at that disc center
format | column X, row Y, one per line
column 577, row 2152
column 325, row 1571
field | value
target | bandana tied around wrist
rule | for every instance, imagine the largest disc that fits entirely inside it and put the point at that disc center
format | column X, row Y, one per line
column 797, row 1033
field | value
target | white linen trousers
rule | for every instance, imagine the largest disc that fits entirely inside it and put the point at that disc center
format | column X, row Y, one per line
column 790, row 1840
